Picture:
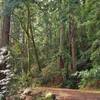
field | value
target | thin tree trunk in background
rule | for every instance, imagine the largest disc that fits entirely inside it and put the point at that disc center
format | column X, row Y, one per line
column 28, row 54
column 35, row 50
column 73, row 52
column 33, row 41
column 61, row 59
column 22, row 52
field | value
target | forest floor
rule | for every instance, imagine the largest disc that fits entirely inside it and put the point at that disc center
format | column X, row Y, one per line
column 60, row 94
column 70, row 94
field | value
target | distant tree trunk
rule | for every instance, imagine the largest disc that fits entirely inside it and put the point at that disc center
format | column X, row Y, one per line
column 36, row 53
column 28, row 53
column 61, row 47
column 33, row 41
column 72, row 42
column 5, row 31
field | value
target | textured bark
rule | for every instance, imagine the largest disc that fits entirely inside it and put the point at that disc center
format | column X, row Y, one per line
column 4, row 41
column 5, row 31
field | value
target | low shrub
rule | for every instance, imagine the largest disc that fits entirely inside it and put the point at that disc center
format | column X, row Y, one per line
column 71, row 81
column 90, row 79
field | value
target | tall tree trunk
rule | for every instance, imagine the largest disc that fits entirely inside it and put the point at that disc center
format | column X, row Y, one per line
column 35, row 50
column 61, row 47
column 72, row 42
column 5, row 31
column 28, row 53
column 4, row 53
column 32, row 38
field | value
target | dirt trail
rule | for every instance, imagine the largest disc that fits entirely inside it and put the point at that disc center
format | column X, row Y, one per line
column 69, row 94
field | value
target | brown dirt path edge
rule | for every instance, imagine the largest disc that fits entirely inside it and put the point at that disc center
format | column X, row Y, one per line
column 70, row 94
